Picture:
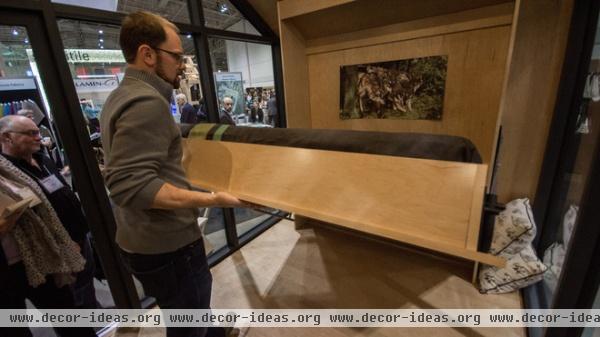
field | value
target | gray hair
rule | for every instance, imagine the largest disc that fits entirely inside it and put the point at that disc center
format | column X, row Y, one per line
column 182, row 96
column 7, row 122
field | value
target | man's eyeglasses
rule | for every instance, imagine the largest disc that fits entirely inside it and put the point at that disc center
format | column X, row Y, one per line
column 177, row 56
column 30, row 133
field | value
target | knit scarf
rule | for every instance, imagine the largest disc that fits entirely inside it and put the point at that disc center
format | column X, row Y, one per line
column 43, row 242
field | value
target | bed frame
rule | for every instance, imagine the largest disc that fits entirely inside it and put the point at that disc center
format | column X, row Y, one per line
column 427, row 203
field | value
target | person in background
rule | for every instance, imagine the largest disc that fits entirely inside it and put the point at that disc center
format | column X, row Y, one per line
column 155, row 207
column 44, row 131
column 188, row 113
column 225, row 113
column 272, row 110
column 91, row 116
column 202, row 116
column 21, row 142
column 38, row 258
column 256, row 113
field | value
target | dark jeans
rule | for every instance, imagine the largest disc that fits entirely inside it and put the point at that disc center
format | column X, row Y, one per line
column 178, row 280
column 14, row 289
column 83, row 289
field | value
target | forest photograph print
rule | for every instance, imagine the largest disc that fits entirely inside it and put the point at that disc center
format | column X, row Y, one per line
column 403, row 89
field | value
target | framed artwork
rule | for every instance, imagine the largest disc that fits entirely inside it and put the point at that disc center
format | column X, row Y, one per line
column 403, row 89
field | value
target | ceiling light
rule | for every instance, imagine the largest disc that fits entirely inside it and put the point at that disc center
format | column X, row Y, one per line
column 26, row 41
column 14, row 32
column 189, row 36
column 101, row 40
column 223, row 8
column 100, row 31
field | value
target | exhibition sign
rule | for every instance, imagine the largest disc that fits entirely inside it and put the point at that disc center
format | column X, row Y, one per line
column 89, row 55
column 17, row 84
column 108, row 83
column 230, row 84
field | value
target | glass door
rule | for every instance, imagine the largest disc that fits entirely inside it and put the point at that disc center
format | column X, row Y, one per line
column 35, row 83
column 574, row 171
column 566, row 202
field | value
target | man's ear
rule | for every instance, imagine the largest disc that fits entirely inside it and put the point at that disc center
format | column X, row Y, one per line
column 5, row 138
column 147, row 55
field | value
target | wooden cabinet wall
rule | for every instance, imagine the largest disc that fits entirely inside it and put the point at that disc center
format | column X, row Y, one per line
column 533, row 76
column 476, row 41
column 495, row 48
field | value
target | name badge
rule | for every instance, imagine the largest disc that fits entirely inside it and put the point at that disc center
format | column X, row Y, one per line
column 51, row 183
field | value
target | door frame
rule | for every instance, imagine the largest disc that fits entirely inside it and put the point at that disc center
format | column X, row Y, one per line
column 46, row 44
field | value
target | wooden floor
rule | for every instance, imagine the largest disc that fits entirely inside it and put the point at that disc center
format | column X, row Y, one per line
column 325, row 268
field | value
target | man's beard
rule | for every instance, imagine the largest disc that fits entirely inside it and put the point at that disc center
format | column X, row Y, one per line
column 161, row 73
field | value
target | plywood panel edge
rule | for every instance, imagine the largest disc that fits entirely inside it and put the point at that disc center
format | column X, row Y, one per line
column 538, row 56
column 486, row 17
column 507, row 67
column 295, row 75
column 465, row 253
column 476, row 207
column 293, row 8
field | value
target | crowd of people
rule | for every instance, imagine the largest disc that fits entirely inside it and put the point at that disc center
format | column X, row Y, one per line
column 260, row 108
column 259, row 101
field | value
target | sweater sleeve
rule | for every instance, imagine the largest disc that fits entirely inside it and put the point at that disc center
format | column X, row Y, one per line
column 140, row 143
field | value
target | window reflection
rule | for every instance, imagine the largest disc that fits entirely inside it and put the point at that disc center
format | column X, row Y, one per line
column 575, row 172
column 221, row 14
column 243, row 73
column 173, row 10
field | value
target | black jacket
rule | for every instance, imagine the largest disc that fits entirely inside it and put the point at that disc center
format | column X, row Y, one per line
column 188, row 114
column 64, row 201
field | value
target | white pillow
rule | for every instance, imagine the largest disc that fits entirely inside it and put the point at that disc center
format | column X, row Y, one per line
column 514, row 229
column 521, row 270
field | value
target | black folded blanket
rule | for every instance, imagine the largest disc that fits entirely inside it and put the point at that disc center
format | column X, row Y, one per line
column 403, row 144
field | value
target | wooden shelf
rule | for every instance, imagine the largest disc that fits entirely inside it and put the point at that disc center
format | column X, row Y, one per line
column 320, row 18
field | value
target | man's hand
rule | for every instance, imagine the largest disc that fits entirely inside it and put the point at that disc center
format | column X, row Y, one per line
column 66, row 171
column 172, row 197
column 224, row 199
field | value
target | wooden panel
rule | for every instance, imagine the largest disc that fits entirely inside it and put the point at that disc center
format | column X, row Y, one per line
column 267, row 9
column 295, row 76
column 476, row 208
column 486, row 17
column 431, row 204
column 291, row 8
column 476, row 67
column 542, row 28
column 365, row 14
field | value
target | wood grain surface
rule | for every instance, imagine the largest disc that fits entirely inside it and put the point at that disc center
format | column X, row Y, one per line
column 427, row 203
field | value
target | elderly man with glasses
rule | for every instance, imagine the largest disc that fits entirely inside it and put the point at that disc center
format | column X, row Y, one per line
column 21, row 143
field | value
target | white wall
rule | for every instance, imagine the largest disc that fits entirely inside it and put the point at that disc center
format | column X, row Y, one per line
column 253, row 60
column 107, row 5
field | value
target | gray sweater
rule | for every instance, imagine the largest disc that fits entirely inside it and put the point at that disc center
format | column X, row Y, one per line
column 142, row 151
